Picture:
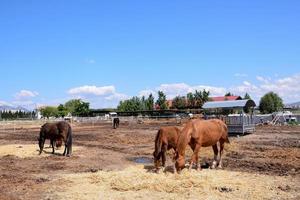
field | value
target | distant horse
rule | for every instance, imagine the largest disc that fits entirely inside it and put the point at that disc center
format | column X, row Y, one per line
column 116, row 122
column 201, row 133
column 166, row 139
column 59, row 131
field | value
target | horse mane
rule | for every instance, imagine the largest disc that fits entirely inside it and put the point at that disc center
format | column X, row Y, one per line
column 183, row 139
column 157, row 143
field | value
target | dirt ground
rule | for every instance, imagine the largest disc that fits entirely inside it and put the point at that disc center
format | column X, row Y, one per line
column 117, row 164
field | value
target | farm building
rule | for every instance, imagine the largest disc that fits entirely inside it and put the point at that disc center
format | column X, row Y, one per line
column 233, row 113
column 226, row 98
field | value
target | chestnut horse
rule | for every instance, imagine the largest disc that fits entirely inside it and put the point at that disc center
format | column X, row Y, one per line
column 201, row 133
column 56, row 132
column 166, row 139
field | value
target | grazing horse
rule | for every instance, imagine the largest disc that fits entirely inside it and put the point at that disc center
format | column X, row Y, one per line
column 201, row 133
column 166, row 139
column 59, row 131
column 116, row 122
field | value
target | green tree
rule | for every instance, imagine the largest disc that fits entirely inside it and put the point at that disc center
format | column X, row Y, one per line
column 161, row 101
column 49, row 111
column 270, row 103
column 228, row 94
column 150, row 102
column 190, row 100
column 130, row 105
column 247, row 96
column 201, row 97
column 62, row 111
column 77, row 107
column 179, row 102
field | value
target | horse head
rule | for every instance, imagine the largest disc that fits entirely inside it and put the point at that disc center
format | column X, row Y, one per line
column 156, row 159
column 180, row 162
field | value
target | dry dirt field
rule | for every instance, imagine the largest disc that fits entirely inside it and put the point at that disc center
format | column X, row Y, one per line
column 117, row 164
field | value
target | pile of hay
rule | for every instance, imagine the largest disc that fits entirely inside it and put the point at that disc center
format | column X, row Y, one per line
column 136, row 183
column 29, row 150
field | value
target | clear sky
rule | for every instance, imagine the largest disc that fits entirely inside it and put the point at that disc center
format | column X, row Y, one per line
column 104, row 51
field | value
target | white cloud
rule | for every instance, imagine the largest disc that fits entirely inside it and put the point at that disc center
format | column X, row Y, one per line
column 90, row 61
column 214, row 91
column 99, row 97
column 4, row 103
column 174, row 89
column 24, row 94
column 240, row 75
column 287, row 87
column 92, row 90
column 263, row 79
column 117, row 96
column 146, row 93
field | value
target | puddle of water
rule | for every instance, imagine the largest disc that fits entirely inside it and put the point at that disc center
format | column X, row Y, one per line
column 142, row 160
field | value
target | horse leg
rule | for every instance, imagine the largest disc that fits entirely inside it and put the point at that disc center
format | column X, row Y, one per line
column 215, row 148
column 42, row 142
column 164, row 157
column 195, row 157
column 52, row 144
column 221, row 152
column 65, row 149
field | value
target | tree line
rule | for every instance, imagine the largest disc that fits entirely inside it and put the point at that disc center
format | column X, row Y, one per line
column 76, row 107
column 191, row 100
column 269, row 103
column 16, row 115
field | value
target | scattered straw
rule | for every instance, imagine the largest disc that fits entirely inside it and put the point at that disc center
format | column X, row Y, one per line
column 136, row 183
column 29, row 150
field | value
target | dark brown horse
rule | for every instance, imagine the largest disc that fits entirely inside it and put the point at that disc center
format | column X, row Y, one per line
column 201, row 133
column 116, row 122
column 59, row 131
column 166, row 139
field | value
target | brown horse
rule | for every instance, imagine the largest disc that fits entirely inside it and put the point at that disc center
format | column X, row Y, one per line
column 166, row 139
column 56, row 132
column 201, row 133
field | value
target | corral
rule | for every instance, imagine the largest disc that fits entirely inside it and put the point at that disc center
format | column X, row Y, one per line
column 117, row 164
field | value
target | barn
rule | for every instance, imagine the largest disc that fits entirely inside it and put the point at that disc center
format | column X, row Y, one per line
column 233, row 113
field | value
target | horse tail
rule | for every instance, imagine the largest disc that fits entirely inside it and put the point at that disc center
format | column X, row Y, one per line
column 226, row 133
column 158, row 143
column 69, row 140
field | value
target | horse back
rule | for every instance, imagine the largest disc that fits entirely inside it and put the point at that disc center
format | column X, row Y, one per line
column 209, row 132
column 168, row 135
column 49, row 131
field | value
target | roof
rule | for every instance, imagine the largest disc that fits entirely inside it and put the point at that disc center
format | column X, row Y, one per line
column 226, row 98
column 229, row 104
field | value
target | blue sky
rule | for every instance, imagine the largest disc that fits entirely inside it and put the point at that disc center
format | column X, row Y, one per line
column 105, row 51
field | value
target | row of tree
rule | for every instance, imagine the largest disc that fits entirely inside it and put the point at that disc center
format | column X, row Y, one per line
column 76, row 107
column 269, row 103
column 136, row 104
column 16, row 115
column 192, row 100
